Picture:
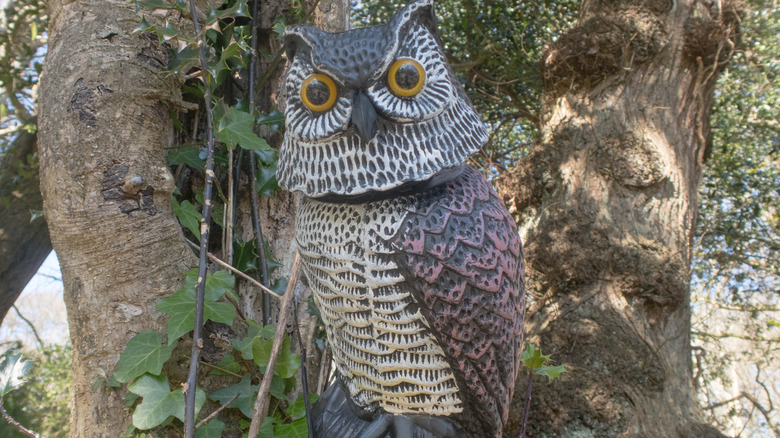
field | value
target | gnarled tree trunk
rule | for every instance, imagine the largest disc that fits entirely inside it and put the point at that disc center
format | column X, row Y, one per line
column 610, row 200
column 104, row 124
column 104, row 127
column 24, row 244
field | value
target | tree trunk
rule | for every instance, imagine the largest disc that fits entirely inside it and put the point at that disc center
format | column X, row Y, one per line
column 610, row 200
column 24, row 244
column 104, row 124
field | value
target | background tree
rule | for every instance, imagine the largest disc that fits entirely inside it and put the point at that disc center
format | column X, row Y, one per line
column 611, row 54
column 24, row 243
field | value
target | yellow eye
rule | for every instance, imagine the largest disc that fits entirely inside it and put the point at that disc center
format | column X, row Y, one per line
column 406, row 77
column 318, row 92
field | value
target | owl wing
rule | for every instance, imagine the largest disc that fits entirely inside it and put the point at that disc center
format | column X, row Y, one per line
column 461, row 256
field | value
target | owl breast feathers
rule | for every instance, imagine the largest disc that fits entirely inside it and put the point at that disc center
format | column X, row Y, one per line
column 414, row 262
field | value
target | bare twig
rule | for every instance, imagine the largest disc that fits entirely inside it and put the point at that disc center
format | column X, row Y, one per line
column 32, row 327
column 205, row 222
column 254, row 282
column 527, row 403
column 215, row 413
column 15, row 423
column 211, row 365
column 261, row 259
column 260, row 409
column 304, row 373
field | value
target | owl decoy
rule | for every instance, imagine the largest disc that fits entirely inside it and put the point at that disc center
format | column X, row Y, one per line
column 414, row 262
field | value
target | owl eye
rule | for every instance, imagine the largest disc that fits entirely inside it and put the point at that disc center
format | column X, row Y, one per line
column 406, row 77
column 318, row 92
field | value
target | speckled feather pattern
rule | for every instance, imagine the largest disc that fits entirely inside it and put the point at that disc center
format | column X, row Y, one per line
column 420, row 285
column 422, row 297
column 323, row 154
column 459, row 252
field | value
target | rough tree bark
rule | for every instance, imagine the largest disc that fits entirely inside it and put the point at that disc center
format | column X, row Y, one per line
column 104, row 127
column 104, row 124
column 24, row 245
column 610, row 200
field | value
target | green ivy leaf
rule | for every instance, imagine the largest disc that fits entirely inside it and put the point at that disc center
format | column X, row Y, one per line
column 298, row 408
column 13, row 372
column 279, row 26
column 245, row 255
column 274, row 120
column 267, row 428
column 286, row 364
column 255, row 331
column 181, row 305
column 532, row 357
column 235, row 128
column 145, row 353
column 187, row 155
column 552, row 372
column 245, row 401
column 185, row 57
column 159, row 402
column 227, row 363
column 296, row 429
column 212, row 429
column 188, row 215
column 266, row 180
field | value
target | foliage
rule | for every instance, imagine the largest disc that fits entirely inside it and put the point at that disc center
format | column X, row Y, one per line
column 737, row 257
column 495, row 47
column 158, row 400
column 533, row 358
column 42, row 403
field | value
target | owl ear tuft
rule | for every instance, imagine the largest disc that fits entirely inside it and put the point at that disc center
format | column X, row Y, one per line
column 297, row 38
column 420, row 11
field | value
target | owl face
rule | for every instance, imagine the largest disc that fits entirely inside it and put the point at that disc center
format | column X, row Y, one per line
column 374, row 108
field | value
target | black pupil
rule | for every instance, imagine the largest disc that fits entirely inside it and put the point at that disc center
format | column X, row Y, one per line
column 407, row 77
column 318, row 92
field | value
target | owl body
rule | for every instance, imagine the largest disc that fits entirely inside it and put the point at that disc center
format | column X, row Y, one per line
column 381, row 343
column 414, row 262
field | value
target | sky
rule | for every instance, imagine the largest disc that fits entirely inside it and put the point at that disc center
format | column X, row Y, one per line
column 40, row 302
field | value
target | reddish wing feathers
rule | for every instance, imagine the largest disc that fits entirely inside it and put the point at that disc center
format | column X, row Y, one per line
column 461, row 255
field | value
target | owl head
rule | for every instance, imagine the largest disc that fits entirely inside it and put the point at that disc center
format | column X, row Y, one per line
column 373, row 109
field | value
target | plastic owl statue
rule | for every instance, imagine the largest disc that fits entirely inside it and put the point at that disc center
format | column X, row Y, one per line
column 414, row 262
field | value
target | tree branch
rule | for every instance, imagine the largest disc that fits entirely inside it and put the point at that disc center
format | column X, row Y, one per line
column 261, row 402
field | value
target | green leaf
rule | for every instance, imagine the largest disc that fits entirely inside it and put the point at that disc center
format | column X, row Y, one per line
column 298, row 408
column 245, row 255
column 181, row 305
column 188, row 215
column 286, row 364
column 186, row 155
column 145, row 353
column 35, row 214
column 159, row 402
column 245, row 401
column 267, row 428
column 212, row 429
column 552, row 372
column 235, row 128
column 266, row 180
column 532, row 357
column 184, row 58
column 255, row 331
column 279, row 26
column 274, row 120
column 13, row 372
column 296, row 429
column 227, row 363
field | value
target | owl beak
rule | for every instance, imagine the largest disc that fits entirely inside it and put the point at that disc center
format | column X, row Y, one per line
column 364, row 116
